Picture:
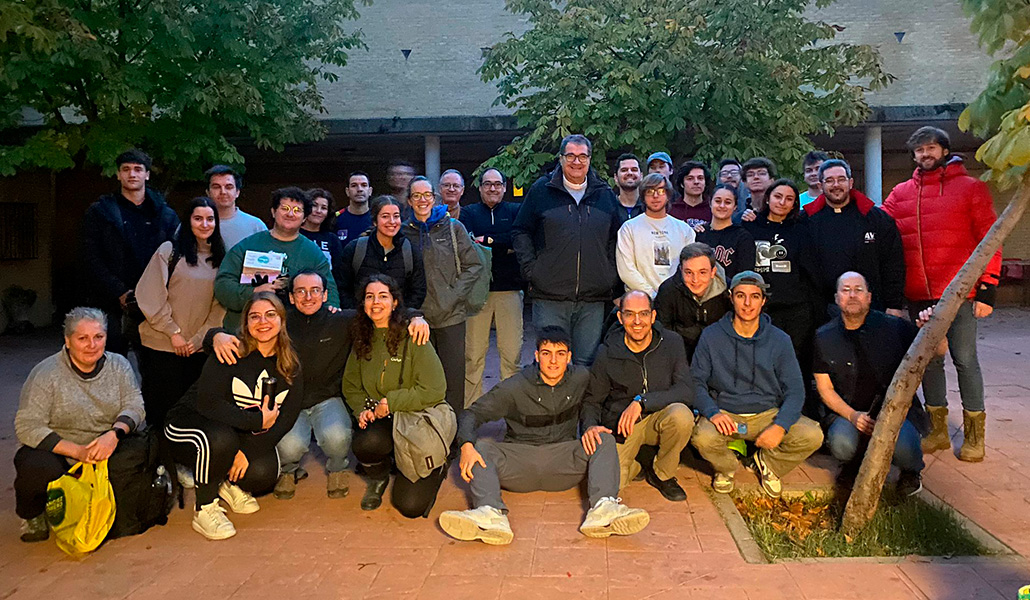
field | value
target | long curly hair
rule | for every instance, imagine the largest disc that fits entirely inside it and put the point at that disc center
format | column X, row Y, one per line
column 286, row 360
column 362, row 327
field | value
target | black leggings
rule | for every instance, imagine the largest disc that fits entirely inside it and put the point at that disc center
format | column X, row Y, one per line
column 166, row 377
column 210, row 448
column 449, row 343
column 373, row 447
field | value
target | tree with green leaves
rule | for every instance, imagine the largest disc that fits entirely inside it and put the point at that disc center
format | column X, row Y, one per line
column 1001, row 112
column 82, row 80
column 702, row 78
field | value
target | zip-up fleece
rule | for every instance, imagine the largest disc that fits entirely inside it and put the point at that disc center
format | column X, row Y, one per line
column 660, row 376
column 494, row 226
column 526, row 395
column 681, row 311
column 410, row 381
column 748, row 375
column 566, row 250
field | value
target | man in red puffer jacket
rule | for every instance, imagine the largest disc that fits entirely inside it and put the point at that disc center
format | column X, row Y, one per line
column 942, row 214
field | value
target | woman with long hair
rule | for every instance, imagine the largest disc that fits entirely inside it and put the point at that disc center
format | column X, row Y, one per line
column 386, row 374
column 319, row 227
column 386, row 251
column 227, row 426
column 733, row 245
column 177, row 296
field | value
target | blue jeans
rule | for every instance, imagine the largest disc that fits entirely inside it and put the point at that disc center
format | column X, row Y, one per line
column 843, row 440
column 330, row 421
column 962, row 347
column 582, row 320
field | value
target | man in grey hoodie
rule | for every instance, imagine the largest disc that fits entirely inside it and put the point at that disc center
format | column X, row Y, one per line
column 746, row 374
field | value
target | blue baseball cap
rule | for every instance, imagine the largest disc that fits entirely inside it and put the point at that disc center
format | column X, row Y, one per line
column 662, row 156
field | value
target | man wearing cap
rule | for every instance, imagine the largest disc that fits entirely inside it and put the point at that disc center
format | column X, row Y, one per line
column 661, row 162
column 745, row 373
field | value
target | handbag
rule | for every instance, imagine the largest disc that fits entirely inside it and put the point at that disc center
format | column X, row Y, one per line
column 81, row 509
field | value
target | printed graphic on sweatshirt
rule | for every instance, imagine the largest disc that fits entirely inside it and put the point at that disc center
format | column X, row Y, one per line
column 247, row 398
column 662, row 253
column 724, row 255
column 771, row 256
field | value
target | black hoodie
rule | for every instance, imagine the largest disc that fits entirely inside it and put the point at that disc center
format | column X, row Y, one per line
column 734, row 248
column 785, row 257
column 659, row 374
column 686, row 314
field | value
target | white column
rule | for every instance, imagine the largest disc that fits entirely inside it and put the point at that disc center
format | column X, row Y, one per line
column 874, row 163
column 433, row 158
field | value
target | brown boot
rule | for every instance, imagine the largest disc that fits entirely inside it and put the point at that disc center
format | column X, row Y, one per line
column 973, row 428
column 938, row 438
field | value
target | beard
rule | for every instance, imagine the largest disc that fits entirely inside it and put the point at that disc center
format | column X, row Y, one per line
column 936, row 164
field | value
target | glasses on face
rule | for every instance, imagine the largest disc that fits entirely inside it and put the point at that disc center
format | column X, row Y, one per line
column 655, row 192
column 422, row 196
column 492, row 185
column 852, row 291
column 291, row 210
column 835, row 181
column 314, row 292
column 629, row 315
column 451, row 186
column 576, row 158
column 269, row 315
column 729, row 172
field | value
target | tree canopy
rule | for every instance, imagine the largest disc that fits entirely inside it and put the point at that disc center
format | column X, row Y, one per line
column 82, row 80
column 705, row 78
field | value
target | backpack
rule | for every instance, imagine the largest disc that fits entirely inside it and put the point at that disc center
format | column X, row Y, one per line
column 362, row 248
column 142, row 497
column 476, row 299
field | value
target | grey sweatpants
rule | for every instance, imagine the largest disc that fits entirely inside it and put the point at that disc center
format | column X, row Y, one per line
column 551, row 468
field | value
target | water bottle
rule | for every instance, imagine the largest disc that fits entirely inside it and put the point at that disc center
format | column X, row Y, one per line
column 163, row 481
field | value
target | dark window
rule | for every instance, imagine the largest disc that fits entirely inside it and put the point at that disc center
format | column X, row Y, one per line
column 18, row 231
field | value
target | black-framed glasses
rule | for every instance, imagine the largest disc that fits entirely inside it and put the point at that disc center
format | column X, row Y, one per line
column 576, row 158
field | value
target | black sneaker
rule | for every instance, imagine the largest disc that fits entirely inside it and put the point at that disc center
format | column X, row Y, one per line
column 35, row 529
column 909, row 483
column 669, row 488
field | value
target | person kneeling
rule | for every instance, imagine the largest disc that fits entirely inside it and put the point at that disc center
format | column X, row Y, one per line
column 640, row 388
column 745, row 373
column 388, row 375
column 540, row 406
column 227, row 427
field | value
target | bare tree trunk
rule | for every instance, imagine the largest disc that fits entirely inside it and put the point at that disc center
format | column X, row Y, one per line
column 866, row 494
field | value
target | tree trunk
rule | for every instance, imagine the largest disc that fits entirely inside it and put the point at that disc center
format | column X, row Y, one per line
column 866, row 494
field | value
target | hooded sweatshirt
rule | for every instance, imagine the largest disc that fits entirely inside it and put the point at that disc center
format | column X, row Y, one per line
column 785, row 259
column 747, row 375
column 679, row 310
column 734, row 248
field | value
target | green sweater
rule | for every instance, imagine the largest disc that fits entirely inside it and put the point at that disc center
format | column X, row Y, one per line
column 424, row 383
column 301, row 254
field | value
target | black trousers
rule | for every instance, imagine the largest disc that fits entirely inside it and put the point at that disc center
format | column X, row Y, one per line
column 373, row 447
column 210, row 448
column 166, row 377
column 449, row 343
column 799, row 322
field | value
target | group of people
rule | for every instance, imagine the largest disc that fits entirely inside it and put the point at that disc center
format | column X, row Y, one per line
column 669, row 311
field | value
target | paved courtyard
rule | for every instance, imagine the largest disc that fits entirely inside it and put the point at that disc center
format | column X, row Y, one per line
column 313, row 547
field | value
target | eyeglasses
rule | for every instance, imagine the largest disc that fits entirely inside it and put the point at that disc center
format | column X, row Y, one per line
column 492, row 185
column 852, row 291
column 314, row 292
column 451, row 186
column 576, row 158
column 629, row 315
column 288, row 210
column 256, row 317
column 422, row 196
column 835, row 181
column 655, row 192
column 728, row 172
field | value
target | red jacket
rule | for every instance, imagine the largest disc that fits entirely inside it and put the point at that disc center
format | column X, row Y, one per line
column 942, row 216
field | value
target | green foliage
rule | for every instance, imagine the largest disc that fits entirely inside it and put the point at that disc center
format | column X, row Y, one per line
column 705, row 78
column 179, row 78
column 1002, row 110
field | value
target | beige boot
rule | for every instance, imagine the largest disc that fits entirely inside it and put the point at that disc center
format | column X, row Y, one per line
column 973, row 425
column 938, row 438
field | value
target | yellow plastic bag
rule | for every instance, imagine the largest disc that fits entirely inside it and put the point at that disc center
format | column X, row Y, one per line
column 81, row 509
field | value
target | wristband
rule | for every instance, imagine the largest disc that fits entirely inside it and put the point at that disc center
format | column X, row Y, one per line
column 119, row 433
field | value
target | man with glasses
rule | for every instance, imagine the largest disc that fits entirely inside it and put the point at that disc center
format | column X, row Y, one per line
column 452, row 187
column 564, row 238
column 489, row 222
column 224, row 185
column 758, row 174
column 640, row 392
column 240, row 274
column 729, row 173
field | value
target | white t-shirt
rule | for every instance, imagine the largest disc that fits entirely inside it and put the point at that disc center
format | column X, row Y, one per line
column 649, row 250
column 241, row 225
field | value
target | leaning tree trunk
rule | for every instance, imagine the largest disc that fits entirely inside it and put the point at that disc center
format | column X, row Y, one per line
column 866, row 494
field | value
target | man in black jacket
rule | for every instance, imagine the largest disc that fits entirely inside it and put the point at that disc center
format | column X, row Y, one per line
column 540, row 451
column 640, row 389
column 564, row 238
column 489, row 222
column 120, row 233
column 694, row 297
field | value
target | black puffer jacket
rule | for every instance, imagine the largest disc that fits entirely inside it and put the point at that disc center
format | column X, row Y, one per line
column 566, row 250
column 682, row 312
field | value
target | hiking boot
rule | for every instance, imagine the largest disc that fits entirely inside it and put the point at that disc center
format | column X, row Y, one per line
column 286, row 486
column 484, row 523
column 909, row 483
column 669, row 488
column 35, row 529
column 723, row 483
column 210, row 521
column 336, row 485
column 771, row 484
column 239, row 502
column 973, row 425
column 609, row 517
column 373, row 497
column 185, row 476
column 938, row 438
column 848, row 474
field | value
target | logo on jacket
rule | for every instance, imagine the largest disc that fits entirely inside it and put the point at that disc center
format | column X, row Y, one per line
column 766, row 252
column 246, row 398
column 870, row 237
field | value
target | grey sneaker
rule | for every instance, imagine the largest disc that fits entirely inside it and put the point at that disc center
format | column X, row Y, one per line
column 723, row 483
column 35, row 529
column 285, row 487
column 771, row 484
column 185, row 477
column 609, row 517
column 484, row 523
column 336, row 485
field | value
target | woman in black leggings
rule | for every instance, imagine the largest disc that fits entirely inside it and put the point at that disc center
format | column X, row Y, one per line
column 227, row 430
column 386, row 373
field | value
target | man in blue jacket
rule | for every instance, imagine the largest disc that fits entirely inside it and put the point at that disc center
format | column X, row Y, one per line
column 746, row 374
column 564, row 238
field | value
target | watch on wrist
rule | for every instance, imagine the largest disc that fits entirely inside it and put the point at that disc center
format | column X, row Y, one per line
column 119, row 433
column 639, row 398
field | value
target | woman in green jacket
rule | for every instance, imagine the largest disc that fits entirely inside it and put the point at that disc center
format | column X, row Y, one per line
column 385, row 374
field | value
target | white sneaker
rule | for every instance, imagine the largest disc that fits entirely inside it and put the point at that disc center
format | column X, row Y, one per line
column 239, row 502
column 723, row 483
column 185, row 477
column 608, row 516
column 484, row 523
column 771, row 484
column 210, row 521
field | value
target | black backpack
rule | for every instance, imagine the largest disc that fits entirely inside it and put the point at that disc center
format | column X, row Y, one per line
column 142, row 500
